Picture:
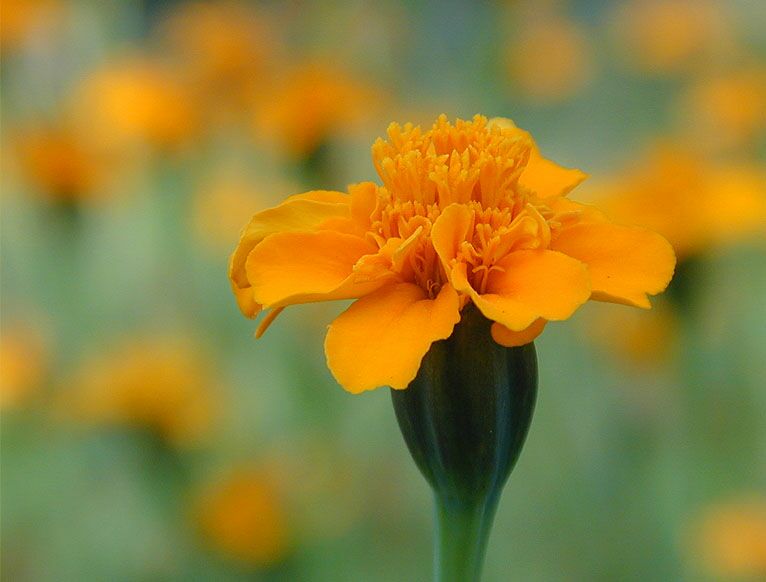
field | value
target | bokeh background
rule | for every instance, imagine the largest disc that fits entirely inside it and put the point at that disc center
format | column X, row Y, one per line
column 146, row 435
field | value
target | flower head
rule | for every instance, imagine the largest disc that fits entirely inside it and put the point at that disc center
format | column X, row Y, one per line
column 696, row 203
column 60, row 164
column 551, row 60
column 467, row 212
column 23, row 365
column 242, row 515
column 160, row 385
column 134, row 102
column 730, row 539
column 338, row 101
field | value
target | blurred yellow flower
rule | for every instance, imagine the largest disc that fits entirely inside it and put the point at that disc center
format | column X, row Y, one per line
column 23, row 365
column 228, row 197
column 161, row 384
column 312, row 103
column 643, row 338
column 730, row 539
column 550, row 60
column 58, row 164
column 469, row 212
column 666, row 36
column 222, row 48
column 727, row 110
column 242, row 515
column 134, row 102
column 21, row 17
column 693, row 202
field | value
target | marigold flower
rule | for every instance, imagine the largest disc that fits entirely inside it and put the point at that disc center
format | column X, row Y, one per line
column 550, row 60
column 695, row 203
column 21, row 17
column 227, row 194
column 242, row 516
column 666, row 36
column 729, row 539
column 59, row 163
column 23, row 363
column 642, row 338
column 222, row 49
column 468, row 212
column 161, row 385
column 299, row 124
column 728, row 109
column 134, row 102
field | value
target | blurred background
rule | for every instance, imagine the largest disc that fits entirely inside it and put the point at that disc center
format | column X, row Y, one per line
column 146, row 435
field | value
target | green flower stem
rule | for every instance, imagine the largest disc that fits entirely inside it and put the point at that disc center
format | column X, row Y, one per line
column 460, row 539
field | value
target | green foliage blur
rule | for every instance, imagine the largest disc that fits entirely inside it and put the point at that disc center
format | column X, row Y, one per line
column 146, row 435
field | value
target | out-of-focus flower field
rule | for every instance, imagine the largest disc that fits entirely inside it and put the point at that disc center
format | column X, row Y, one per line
column 146, row 435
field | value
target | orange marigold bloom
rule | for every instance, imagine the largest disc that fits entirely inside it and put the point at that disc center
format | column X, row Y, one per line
column 59, row 163
column 730, row 539
column 310, row 104
column 693, row 202
column 134, row 102
column 242, row 516
column 23, row 17
column 728, row 109
column 23, row 364
column 160, row 384
column 667, row 36
column 551, row 59
column 469, row 212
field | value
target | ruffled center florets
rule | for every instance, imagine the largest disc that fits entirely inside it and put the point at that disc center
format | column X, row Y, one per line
column 473, row 163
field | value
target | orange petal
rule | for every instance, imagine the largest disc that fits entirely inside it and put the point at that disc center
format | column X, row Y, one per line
column 364, row 199
column 625, row 263
column 381, row 339
column 547, row 178
column 449, row 230
column 511, row 339
column 301, row 267
column 534, row 284
column 300, row 212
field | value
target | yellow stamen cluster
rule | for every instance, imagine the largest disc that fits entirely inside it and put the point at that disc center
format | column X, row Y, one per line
column 473, row 163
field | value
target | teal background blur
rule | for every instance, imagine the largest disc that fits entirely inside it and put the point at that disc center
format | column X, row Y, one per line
column 642, row 463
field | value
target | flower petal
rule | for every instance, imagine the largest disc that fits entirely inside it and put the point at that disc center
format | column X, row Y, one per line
column 381, row 339
column 449, row 230
column 301, row 267
column 534, row 284
column 364, row 199
column 625, row 263
column 300, row 212
column 511, row 339
column 547, row 178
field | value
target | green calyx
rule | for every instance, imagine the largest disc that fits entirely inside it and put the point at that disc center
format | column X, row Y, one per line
column 465, row 418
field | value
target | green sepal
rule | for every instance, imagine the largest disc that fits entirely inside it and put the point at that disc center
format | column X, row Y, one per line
column 465, row 418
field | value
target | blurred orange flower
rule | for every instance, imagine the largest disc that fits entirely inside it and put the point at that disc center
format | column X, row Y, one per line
column 221, row 48
column 666, row 36
column 312, row 103
column 23, row 365
column 20, row 17
column 550, row 60
column 469, row 212
column 56, row 162
column 643, row 338
column 134, row 102
column 693, row 202
column 729, row 539
column 242, row 516
column 729, row 109
column 228, row 197
column 161, row 384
